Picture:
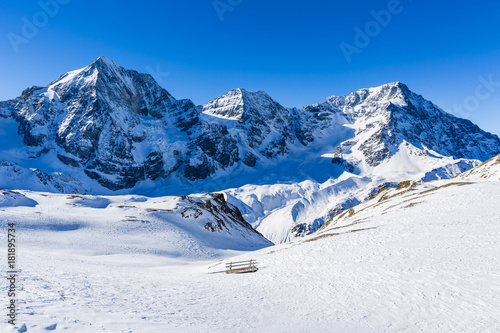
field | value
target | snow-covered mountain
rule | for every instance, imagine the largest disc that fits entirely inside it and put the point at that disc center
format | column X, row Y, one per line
column 107, row 130
column 103, row 120
column 121, row 128
column 392, row 135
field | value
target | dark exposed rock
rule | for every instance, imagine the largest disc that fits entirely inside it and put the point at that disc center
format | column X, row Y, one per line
column 344, row 164
column 250, row 159
column 221, row 213
column 154, row 166
column 200, row 171
column 68, row 161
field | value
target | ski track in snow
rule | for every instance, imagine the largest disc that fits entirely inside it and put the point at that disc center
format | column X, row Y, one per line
column 428, row 264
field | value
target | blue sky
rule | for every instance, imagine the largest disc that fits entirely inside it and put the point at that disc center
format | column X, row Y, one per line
column 447, row 51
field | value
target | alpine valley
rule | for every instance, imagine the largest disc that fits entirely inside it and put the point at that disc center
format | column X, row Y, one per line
column 105, row 130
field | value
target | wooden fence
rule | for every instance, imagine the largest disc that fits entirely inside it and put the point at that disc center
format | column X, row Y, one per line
column 247, row 266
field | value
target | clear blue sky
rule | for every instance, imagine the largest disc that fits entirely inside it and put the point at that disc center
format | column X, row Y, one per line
column 291, row 49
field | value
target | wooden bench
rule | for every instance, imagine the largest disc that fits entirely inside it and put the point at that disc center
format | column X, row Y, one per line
column 236, row 267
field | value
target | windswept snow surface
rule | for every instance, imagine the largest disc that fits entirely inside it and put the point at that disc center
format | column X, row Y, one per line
column 489, row 170
column 414, row 258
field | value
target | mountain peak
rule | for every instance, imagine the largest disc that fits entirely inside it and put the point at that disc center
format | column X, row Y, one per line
column 106, row 75
column 111, row 87
column 397, row 84
column 247, row 96
column 106, row 67
column 104, row 59
column 87, row 76
column 237, row 103
column 389, row 90
column 103, row 62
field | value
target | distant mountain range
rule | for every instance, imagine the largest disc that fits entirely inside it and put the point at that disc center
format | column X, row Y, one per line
column 104, row 129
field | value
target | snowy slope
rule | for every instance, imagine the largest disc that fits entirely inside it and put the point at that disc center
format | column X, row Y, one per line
column 283, row 212
column 187, row 227
column 489, row 170
column 417, row 258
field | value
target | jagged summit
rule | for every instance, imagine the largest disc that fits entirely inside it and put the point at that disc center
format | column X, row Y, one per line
column 394, row 92
column 239, row 104
column 108, row 78
column 101, row 64
column 397, row 84
column 102, row 61
column 391, row 114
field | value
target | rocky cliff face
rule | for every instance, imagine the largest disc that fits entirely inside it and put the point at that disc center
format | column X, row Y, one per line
column 108, row 121
column 389, row 115
column 239, row 127
column 119, row 127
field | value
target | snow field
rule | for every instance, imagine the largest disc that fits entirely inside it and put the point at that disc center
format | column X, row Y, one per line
column 425, row 259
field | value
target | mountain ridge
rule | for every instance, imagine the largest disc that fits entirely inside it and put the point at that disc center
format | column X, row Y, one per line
column 104, row 129
column 99, row 117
